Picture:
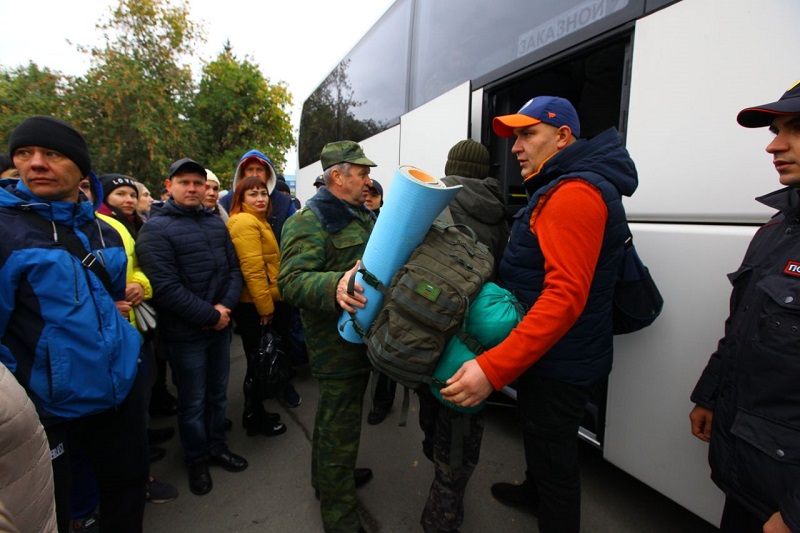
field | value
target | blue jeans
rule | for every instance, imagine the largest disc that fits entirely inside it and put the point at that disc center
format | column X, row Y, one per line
column 201, row 368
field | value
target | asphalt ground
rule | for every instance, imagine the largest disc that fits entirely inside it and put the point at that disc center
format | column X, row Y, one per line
column 274, row 494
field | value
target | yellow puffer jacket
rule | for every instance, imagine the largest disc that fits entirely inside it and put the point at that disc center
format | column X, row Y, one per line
column 259, row 258
column 134, row 274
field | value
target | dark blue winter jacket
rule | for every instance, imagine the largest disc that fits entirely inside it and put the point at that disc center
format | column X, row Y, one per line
column 583, row 355
column 62, row 335
column 189, row 258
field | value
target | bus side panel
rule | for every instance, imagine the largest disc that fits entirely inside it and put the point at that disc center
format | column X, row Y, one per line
column 429, row 131
column 381, row 148
column 696, row 64
column 655, row 370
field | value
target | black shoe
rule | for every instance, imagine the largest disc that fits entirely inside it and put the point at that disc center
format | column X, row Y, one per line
column 159, row 492
column 377, row 415
column 361, row 476
column 265, row 427
column 156, row 454
column 253, row 418
column 157, row 436
column 228, row 424
column 199, row 478
column 229, row 461
column 522, row 495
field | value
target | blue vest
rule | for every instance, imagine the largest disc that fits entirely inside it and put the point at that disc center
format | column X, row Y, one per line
column 584, row 354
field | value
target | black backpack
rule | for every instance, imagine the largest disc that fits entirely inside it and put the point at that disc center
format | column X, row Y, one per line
column 637, row 301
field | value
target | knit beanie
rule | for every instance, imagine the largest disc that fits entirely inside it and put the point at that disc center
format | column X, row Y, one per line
column 467, row 158
column 115, row 181
column 49, row 132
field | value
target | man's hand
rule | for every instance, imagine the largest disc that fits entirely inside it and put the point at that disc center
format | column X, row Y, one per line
column 469, row 386
column 775, row 524
column 224, row 317
column 350, row 303
column 701, row 422
column 266, row 320
column 124, row 308
column 134, row 293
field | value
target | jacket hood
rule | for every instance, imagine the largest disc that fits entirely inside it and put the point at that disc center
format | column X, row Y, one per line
column 482, row 199
column 272, row 176
column 14, row 194
column 602, row 154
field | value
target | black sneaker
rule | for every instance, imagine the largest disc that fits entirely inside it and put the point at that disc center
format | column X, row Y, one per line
column 87, row 524
column 159, row 492
column 291, row 396
column 523, row 495
column 159, row 435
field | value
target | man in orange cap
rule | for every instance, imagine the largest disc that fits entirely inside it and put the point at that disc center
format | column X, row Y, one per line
column 562, row 261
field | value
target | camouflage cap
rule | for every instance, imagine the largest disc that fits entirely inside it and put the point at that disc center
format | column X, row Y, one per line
column 343, row 152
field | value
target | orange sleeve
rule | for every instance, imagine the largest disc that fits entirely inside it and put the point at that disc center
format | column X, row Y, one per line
column 569, row 223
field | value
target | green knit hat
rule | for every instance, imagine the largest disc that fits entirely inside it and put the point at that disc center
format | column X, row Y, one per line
column 467, row 158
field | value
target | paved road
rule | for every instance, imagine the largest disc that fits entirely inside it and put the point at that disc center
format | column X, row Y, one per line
column 274, row 494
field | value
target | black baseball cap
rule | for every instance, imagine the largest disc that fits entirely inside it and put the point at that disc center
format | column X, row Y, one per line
column 763, row 115
column 187, row 165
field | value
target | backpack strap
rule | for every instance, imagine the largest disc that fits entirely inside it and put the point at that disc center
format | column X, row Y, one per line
column 370, row 279
column 73, row 244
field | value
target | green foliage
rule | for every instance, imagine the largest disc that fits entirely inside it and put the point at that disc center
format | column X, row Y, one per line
column 25, row 91
column 138, row 105
column 238, row 110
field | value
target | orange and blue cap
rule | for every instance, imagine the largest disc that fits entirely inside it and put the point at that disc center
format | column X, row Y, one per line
column 551, row 110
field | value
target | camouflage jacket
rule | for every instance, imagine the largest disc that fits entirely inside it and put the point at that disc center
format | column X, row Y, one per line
column 319, row 244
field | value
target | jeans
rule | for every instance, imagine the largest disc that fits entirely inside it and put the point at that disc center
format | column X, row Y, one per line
column 201, row 368
column 551, row 412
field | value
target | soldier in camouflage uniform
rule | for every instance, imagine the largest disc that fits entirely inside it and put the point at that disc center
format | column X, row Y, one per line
column 320, row 245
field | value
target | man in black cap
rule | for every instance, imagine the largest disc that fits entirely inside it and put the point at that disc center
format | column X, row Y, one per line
column 187, row 253
column 747, row 403
column 62, row 334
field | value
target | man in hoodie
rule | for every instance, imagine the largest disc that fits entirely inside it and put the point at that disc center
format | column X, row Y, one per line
column 187, row 254
column 562, row 261
column 63, row 332
column 254, row 163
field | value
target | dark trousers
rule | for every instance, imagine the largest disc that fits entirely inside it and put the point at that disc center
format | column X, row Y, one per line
column 201, row 368
column 385, row 390
column 444, row 509
column 550, row 414
column 738, row 519
column 115, row 443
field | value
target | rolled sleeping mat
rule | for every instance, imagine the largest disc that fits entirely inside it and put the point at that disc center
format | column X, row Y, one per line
column 406, row 216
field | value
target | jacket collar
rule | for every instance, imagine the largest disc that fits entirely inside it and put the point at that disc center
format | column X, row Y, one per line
column 334, row 214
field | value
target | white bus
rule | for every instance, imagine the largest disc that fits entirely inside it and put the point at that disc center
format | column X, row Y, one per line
column 671, row 76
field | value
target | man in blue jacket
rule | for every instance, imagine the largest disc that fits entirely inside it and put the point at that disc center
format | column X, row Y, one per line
column 188, row 256
column 748, row 397
column 63, row 332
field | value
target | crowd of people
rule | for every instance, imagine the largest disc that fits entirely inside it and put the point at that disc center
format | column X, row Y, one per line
column 82, row 258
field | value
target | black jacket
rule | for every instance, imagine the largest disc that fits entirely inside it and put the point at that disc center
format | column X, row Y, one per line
column 752, row 381
column 190, row 260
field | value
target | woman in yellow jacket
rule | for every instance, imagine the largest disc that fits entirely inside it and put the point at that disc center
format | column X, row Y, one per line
column 259, row 258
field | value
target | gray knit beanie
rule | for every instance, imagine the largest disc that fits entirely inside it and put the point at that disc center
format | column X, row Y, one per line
column 467, row 158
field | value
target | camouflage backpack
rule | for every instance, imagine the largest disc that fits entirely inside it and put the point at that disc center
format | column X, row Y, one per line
column 425, row 304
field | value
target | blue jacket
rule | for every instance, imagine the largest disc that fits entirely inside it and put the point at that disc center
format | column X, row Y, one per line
column 189, row 258
column 282, row 205
column 583, row 355
column 62, row 335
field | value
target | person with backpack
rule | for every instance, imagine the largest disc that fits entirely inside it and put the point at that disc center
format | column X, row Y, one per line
column 478, row 206
column 562, row 261
column 321, row 244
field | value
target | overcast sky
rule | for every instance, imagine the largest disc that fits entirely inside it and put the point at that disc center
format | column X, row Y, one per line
column 295, row 41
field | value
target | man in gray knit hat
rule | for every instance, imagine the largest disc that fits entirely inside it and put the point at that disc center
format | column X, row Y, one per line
column 478, row 206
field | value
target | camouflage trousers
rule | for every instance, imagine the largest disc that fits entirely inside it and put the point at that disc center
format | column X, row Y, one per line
column 444, row 510
column 334, row 450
